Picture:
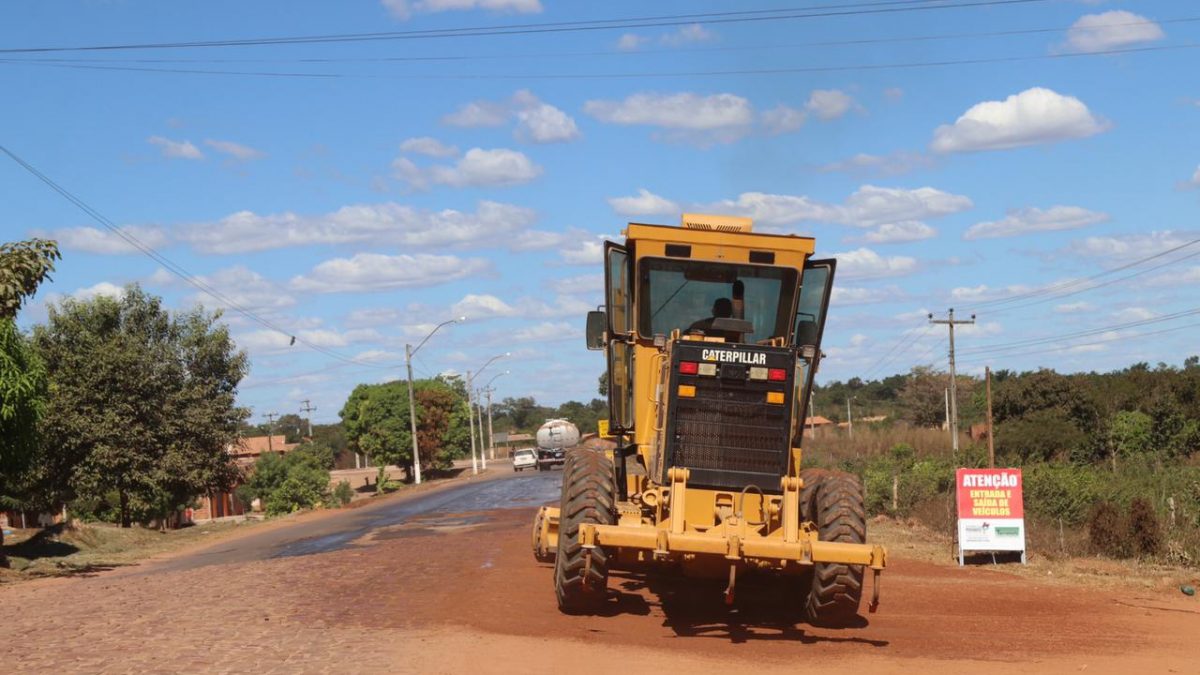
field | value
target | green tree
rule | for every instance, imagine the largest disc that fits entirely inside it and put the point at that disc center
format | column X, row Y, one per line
column 377, row 423
column 23, row 267
column 142, row 402
column 23, row 388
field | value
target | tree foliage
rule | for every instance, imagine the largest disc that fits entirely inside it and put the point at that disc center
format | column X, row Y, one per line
column 142, row 403
column 377, row 423
column 288, row 483
column 23, row 267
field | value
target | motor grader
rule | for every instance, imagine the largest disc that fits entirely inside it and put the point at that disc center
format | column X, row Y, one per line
column 713, row 335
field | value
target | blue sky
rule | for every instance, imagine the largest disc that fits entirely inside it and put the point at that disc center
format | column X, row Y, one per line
column 357, row 193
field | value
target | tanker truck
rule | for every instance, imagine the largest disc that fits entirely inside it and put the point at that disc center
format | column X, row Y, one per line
column 553, row 439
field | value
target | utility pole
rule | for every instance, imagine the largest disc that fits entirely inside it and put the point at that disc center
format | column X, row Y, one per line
column 471, row 424
column 952, row 322
column 412, row 416
column 479, row 416
column 812, row 424
column 270, row 429
column 307, row 410
column 987, row 374
column 849, row 418
column 491, row 436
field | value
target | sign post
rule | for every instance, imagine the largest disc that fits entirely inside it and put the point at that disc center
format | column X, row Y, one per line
column 991, row 511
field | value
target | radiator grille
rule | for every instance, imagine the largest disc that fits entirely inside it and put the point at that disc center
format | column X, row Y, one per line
column 730, row 429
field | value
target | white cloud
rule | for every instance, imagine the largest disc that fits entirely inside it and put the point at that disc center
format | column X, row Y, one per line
column 378, row 272
column 893, row 93
column 629, row 42
column 1073, row 307
column 1027, row 220
column 497, row 167
column 403, row 9
column 1186, row 277
column 869, row 206
column 1111, row 30
column 1034, row 116
column 1130, row 314
column 236, row 151
column 863, row 263
column 588, row 252
column 985, row 292
column 481, row 307
column 263, row 340
column 543, row 123
column 1131, row 246
column 536, row 120
column 492, row 223
column 176, row 149
column 717, row 117
column 855, row 295
column 548, row 331
column 896, row 233
column 430, row 147
column 585, row 284
column 102, row 289
column 829, row 104
column 478, row 114
column 892, row 164
column 644, row 203
column 782, row 119
column 105, row 242
column 1193, row 182
column 691, row 33
column 243, row 287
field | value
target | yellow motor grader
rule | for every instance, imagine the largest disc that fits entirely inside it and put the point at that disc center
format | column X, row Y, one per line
column 713, row 335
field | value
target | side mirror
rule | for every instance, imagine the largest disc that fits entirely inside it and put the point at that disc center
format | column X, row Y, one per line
column 597, row 323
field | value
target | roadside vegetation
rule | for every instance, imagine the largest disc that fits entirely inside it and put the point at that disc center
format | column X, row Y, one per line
column 1111, row 460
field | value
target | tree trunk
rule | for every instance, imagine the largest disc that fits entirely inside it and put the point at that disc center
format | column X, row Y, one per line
column 3, row 558
column 125, row 522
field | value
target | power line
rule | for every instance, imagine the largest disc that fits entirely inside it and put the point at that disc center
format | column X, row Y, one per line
column 603, row 53
column 167, row 263
column 746, row 72
column 808, row 12
column 1067, row 284
column 1019, row 344
column 1106, row 341
column 895, row 345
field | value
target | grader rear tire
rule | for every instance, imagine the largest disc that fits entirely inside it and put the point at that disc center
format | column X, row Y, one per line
column 838, row 511
column 588, row 496
column 539, row 554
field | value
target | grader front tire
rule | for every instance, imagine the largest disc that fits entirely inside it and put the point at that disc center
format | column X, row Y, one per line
column 840, row 516
column 588, row 496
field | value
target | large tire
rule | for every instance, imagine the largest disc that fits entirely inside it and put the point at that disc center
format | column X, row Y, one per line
column 588, row 496
column 838, row 511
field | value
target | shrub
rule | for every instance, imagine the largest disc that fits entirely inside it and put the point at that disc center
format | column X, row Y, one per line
column 1144, row 530
column 343, row 494
column 1106, row 530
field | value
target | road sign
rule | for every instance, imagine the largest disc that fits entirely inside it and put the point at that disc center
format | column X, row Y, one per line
column 991, row 511
column 603, row 428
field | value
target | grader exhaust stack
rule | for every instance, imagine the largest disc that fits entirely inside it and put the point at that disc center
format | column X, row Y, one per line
column 712, row 334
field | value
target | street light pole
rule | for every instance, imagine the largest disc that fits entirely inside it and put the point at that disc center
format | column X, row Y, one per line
column 849, row 418
column 471, row 425
column 471, row 412
column 479, row 416
column 488, row 390
column 409, row 351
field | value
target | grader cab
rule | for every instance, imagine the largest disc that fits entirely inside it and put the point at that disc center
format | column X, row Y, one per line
column 712, row 334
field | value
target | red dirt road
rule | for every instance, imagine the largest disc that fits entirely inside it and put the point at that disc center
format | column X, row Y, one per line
column 463, row 593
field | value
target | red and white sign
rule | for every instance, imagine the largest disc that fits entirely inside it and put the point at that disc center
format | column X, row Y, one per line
column 991, row 510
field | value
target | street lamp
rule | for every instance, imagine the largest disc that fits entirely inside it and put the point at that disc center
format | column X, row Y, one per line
column 409, row 351
column 471, row 411
column 487, row 389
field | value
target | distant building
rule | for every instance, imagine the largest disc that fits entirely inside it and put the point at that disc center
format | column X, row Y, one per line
column 244, row 453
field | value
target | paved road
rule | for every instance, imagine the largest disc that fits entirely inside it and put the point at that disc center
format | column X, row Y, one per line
column 500, row 488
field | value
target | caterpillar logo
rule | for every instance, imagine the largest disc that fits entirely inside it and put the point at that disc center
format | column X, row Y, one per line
column 727, row 356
